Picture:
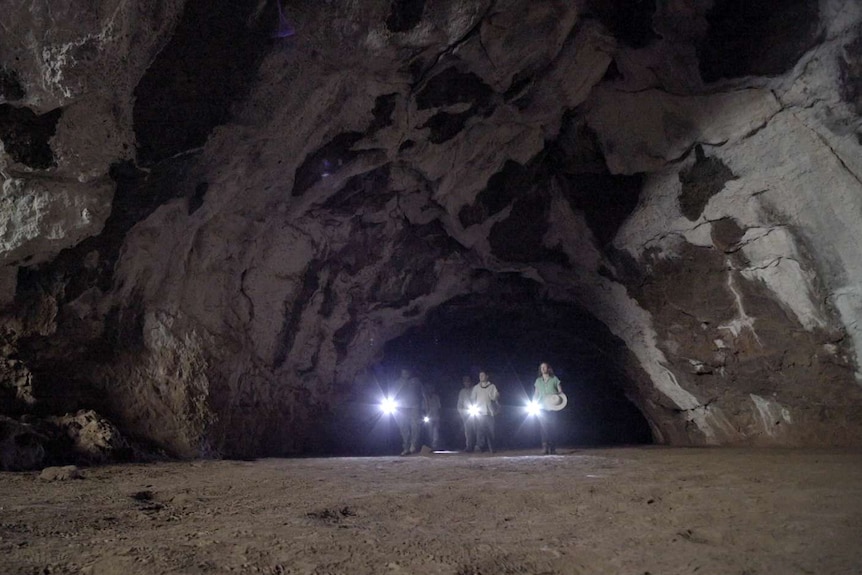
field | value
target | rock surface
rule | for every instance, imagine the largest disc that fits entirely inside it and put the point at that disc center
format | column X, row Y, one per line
column 21, row 446
column 212, row 246
column 64, row 473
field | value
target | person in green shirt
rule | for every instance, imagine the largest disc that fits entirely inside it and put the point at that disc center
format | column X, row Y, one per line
column 547, row 384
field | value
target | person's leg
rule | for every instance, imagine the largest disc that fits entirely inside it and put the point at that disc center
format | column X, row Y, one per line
column 470, row 432
column 491, row 434
column 553, row 431
column 435, row 433
column 464, row 423
column 481, row 432
column 403, row 421
column 415, row 430
column 543, row 430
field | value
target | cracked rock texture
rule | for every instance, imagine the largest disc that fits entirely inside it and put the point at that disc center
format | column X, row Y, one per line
column 214, row 217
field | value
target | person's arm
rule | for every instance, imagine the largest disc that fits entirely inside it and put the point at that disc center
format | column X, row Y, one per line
column 559, row 386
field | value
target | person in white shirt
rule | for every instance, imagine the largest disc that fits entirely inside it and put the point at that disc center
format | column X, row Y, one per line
column 469, row 423
column 486, row 398
column 432, row 412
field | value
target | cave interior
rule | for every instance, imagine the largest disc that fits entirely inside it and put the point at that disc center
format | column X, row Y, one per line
column 229, row 225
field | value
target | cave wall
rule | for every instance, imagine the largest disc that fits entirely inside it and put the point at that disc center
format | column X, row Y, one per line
column 68, row 73
column 217, row 281
column 759, row 224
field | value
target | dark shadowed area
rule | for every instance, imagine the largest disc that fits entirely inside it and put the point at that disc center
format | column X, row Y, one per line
column 507, row 339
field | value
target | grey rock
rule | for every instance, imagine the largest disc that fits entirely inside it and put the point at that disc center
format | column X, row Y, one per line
column 64, row 473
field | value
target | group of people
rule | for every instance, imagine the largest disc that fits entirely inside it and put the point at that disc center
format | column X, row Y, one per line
column 477, row 405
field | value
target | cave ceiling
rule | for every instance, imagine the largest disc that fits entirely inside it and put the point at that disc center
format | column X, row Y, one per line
column 217, row 215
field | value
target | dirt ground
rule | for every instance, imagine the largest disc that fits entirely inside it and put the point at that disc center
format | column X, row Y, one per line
column 628, row 511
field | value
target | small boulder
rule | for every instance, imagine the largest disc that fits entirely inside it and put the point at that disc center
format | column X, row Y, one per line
column 94, row 438
column 64, row 473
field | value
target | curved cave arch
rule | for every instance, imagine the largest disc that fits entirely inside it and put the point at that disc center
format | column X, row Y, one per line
column 506, row 333
column 222, row 287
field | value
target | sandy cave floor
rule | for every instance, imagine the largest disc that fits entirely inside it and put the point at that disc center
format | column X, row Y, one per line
column 632, row 511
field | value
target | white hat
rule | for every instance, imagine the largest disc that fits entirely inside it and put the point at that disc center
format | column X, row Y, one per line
column 555, row 401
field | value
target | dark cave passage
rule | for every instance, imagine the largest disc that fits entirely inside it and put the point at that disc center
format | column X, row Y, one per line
column 507, row 336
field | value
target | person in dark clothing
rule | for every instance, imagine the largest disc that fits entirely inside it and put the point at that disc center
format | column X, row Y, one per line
column 410, row 400
column 432, row 412
column 467, row 420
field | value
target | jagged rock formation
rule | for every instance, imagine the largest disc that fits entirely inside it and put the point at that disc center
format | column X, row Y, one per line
column 215, row 217
column 84, row 437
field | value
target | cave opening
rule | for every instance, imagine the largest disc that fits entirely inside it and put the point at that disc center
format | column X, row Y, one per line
column 506, row 332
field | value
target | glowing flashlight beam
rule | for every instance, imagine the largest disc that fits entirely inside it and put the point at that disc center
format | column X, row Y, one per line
column 473, row 410
column 426, row 419
column 533, row 408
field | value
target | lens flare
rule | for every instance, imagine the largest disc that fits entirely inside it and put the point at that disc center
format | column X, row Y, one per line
column 473, row 410
column 388, row 405
column 426, row 419
column 533, row 408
